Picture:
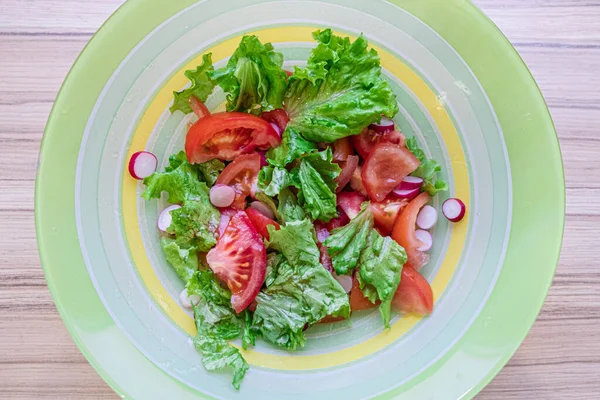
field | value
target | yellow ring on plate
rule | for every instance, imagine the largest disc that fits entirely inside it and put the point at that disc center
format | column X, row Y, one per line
column 297, row 362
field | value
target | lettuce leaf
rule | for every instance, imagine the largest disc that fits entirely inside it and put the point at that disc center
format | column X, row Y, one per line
column 210, row 170
column 301, row 291
column 427, row 170
column 381, row 264
column 253, row 78
column 345, row 244
column 288, row 208
column 315, row 195
column 201, row 87
column 339, row 92
column 184, row 261
column 292, row 146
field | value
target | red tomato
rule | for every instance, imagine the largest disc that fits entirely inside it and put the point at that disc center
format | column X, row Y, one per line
column 357, row 300
column 404, row 231
column 365, row 142
column 228, row 135
column 356, row 181
column 342, row 148
column 239, row 259
column 385, row 168
column 385, row 213
column 198, row 107
column 414, row 293
column 348, row 168
column 288, row 73
column 278, row 117
column 261, row 221
column 350, row 203
column 330, row 318
column 341, row 220
column 322, row 234
column 242, row 175
column 226, row 214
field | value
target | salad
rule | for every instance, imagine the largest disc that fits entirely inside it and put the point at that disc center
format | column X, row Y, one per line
column 300, row 204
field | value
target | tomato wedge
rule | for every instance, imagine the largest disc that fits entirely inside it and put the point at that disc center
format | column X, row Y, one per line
column 242, row 175
column 261, row 221
column 385, row 168
column 404, row 231
column 350, row 203
column 386, row 212
column 358, row 301
column 356, row 182
column 339, row 221
column 342, row 148
column 228, row 135
column 278, row 117
column 239, row 259
column 368, row 138
column 348, row 168
column 198, row 107
column 414, row 294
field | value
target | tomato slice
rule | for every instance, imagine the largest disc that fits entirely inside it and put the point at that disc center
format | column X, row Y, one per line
column 368, row 138
column 414, row 294
column 342, row 148
column 404, row 231
column 386, row 212
column 350, row 203
column 226, row 215
column 278, row 117
column 348, row 168
column 385, row 168
column 242, row 175
column 228, row 135
column 239, row 259
column 358, row 301
column 356, row 182
column 339, row 221
column 198, row 107
column 261, row 221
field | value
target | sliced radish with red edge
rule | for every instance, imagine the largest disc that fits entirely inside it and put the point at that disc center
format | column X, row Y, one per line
column 263, row 209
column 222, row 195
column 406, row 194
column 345, row 281
column 383, row 126
column 454, row 209
column 165, row 218
column 426, row 238
column 427, row 217
column 142, row 164
column 410, row 182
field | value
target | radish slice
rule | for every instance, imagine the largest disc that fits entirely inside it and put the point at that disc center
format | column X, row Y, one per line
column 424, row 237
column 405, row 194
column 222, row 195
column 142, row 164
column 165, row 218
column 410, row 182
column 187, row 300
column 263, row 209
column 277, row 128
column 427, row 218
column 263, row 158
column 345, row 281
column 383, row 126
column 454, row 209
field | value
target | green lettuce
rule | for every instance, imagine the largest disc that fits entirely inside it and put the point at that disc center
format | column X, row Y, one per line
column 316, row 196
column 253, row 78
column 288, row 208
column 201, row 87
column 210, row 170
column 292, row 146
column 183, row 261
column 300, row 292
column 345, row 244
column 381, row 264
column 339, row 92
column 427, row 170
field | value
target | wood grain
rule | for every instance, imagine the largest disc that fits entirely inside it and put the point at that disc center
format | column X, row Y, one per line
column 558, row 39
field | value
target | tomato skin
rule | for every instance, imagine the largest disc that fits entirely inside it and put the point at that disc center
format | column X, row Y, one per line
column 356, row 182
column 350, row 203
column 240, row 260
column 242, row 175
column 414, row 294
column 386, row 212
column 385, row 168
column 278, row 117
column 358, row 301
column 198, row 107
column 348, row 168
column 342, row 148
column 261, row 222
column 228, row 135
column 368, row 138
column 341, row 220
column 404, row 231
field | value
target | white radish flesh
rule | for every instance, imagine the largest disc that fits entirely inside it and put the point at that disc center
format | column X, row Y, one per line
column 187, row 300
column 426, row 238
column 427, row 218
column 405, row 194
column 410, row 182
column 383, row 126
column 263, row 209
column 277, row 128
column 454, row 209
column 345, row 281
column 142, row 164
column 165, row 218
column 222, row 195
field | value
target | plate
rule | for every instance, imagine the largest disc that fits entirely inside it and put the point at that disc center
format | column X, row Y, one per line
column 463, row 92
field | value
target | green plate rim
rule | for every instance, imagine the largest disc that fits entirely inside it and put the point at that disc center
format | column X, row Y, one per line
column 114, row 40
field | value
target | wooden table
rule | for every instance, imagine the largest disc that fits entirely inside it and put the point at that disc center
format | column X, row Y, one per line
column 558, row 39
